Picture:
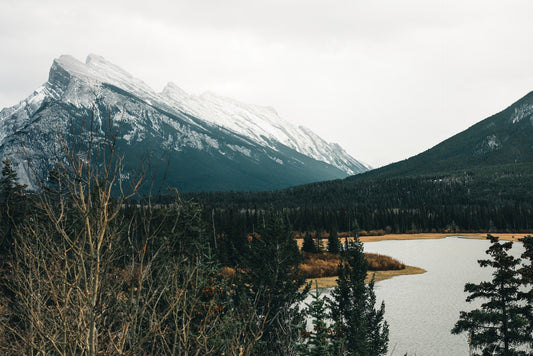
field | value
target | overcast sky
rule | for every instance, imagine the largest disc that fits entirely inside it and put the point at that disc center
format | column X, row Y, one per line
column 386, row 79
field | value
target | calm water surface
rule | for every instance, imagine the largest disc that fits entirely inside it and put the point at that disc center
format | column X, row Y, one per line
column 422, row 309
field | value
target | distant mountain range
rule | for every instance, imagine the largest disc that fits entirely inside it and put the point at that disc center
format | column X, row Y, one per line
column 212, row 143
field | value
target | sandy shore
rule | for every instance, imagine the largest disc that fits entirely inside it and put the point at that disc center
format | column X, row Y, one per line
column 502, row 236
column 430, row 236
column 329, row 282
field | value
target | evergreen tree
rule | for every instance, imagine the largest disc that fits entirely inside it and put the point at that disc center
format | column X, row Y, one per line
column 309, row 244
column 12, row 205
column 269, row 284
column 360, row 328
column 526, row 273
column 499, row 326
column 378, row 329
column 9, row 181
column 334, row 245
column 318, row 341
column 319, row 244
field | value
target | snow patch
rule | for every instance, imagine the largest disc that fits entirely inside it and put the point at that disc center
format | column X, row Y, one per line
column 521, row 112
column 277, row 160
column 489, row 144
column 492, row 142
column 245, row 151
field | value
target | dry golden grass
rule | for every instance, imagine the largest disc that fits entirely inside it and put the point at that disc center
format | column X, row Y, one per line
column 318, row 265
column 329, row 282
column 377, row 262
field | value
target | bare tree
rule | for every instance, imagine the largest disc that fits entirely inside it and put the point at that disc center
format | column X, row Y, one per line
column 94, row 274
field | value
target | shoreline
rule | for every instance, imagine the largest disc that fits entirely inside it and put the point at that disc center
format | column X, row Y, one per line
column 508, row 236
column 330, row 282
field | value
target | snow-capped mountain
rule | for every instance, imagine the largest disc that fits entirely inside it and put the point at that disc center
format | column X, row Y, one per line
column 215, row 143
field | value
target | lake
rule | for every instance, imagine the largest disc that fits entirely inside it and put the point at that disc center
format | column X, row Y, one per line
column 422, row 309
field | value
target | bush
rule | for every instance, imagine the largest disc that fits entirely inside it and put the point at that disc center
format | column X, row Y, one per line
column 377, row 262
column 318, row 265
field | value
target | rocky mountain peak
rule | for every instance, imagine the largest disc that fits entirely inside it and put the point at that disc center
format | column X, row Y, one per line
column 208, row 134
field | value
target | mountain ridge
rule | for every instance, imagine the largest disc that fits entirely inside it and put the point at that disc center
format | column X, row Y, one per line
column 500, row 139
column 246, row 143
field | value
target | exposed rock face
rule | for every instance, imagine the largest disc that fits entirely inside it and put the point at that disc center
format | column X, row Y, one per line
column 210, row 142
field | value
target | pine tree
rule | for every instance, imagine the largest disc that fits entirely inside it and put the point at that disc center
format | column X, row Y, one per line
column 318, row 244
column 12, row 204
column 499, row 325
column 9, row 180
column 334, row 245
column 268, row 283
column 526, row 274
column 309, row 244
column 378, row 329
column 360, row 328
column 318, row 341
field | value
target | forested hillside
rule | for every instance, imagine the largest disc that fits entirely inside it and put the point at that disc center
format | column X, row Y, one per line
column 505, row 138
column 472, row 200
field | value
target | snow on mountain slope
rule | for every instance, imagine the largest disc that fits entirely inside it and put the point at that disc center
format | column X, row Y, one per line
column 194, row 119
column 261, row 125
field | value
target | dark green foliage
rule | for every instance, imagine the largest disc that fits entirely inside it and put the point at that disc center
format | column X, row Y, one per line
column 269, row 283
column 378, row 329
column 12, row 204
column 309, row 244
column 319, row 242
column 319, row 340
column 502, row 139
column 334, row 244
column 500, row 325
column 477, row 200
column 361, row 328
column 526, row 273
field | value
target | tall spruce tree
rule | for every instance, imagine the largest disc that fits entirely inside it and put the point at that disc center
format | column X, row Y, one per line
column 526, row 273
column 317, row 341
column 319, row 241
column 334, row 245
column 499, row 326
column 12, row 205
column 269, row 283
column 359, row 327
column 308, row 243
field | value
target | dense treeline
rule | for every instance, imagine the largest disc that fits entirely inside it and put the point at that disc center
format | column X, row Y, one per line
column 508, row 218
column 497, row 201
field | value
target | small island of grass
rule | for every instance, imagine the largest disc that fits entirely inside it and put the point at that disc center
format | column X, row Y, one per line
column 322, row 268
